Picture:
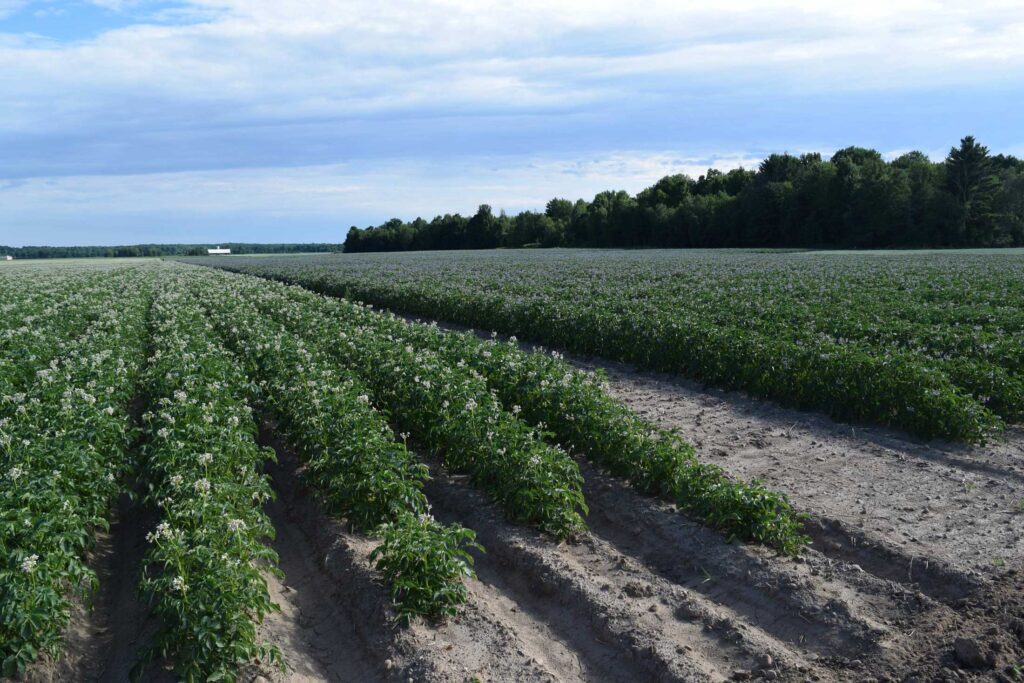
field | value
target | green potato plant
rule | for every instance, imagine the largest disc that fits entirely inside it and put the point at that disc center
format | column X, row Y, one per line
column 205, row 563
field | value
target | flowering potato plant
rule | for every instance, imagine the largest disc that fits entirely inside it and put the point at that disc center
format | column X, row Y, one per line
column 930, row 343
column 41, row 315
column 352, row 460
column 580, row 414
column 205, row 562
column 63, row 445
column 423, row 561
column 447, row 407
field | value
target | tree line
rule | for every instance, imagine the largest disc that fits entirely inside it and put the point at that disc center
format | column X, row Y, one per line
column 136, row 250
column 855, row 199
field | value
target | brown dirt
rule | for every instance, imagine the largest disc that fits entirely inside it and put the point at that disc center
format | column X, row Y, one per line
column 107, row 633
column 943, row 504
column 914, row 546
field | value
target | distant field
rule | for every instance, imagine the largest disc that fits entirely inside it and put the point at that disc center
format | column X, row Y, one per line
column 931, row 342
column 314, row 470
column 77, row 263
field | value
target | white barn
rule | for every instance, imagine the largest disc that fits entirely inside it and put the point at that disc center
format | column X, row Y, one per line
column 8, row 257
column 218, row 250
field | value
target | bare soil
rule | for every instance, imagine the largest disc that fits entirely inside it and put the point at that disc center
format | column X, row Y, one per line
column 938, row 502
column 914, row 573
column 109, row 630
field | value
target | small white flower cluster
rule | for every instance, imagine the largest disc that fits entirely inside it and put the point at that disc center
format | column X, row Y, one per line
column 163, row 530
column 202, row 486
column 205, row 458
column 29, row 563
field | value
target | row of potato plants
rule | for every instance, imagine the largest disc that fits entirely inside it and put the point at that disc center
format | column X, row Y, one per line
column 353, row 462
column 446, row 408
column 202, row 467
column 576, row 408
column 582, row 416
column 63, row 449
column 38, row 328
column 847, row 380
column 813, row 332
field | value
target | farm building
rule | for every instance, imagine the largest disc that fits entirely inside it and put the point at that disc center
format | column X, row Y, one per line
column 218, row 250
column 8, row 257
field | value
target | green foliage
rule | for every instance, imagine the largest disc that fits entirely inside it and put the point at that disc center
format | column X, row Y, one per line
column 581, row 415
column 446, row 407
column 424, row 563
column 352, row 459
column 855, row 199
column 205, row 562
column 545, row 391
column 62, row 451
column 931, row 344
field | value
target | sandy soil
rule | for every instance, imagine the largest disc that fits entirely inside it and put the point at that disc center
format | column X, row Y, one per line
column 647, row 595
column 106, row 635
column 915, row 545
column 936, row 502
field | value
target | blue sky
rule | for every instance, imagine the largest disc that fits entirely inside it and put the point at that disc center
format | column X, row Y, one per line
column 125, row 121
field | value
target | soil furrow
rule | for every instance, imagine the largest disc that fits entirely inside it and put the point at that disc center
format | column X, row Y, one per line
column 795, row 602
column 954, row 505
column 319, row 642
column 932, row 577
column 625, row 611
column 482, row 641
column 108, row 633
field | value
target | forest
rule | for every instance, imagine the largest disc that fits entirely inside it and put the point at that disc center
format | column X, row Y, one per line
column 855, row 199
column 138, row 250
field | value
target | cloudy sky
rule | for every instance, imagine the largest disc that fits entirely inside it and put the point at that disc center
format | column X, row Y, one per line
column 127, row 121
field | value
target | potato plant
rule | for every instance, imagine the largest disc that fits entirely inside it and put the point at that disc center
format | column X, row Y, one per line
column 203, row 469
column 580, row 415
column 927, row 343
column 63, row 444
column 446, row 407
column 42, row 315
column 352, row 459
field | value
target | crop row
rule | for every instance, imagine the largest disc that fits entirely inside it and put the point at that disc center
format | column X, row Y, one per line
column 582, row 416
column 203, row 468
column 63, row 446
column 545, row 391
column 575, row 407
column 449, row 409
column 352, row 458
column 929, row 344
column 38, row 328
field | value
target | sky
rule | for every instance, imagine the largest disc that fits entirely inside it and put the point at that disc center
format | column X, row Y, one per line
column 135, row 121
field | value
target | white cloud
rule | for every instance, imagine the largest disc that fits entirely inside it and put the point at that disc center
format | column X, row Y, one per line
column 346, row 193
column 9, row 7
column 267, row 58
column 226, row 80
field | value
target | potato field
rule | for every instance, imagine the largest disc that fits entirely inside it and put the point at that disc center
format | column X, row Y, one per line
column 719, row 466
